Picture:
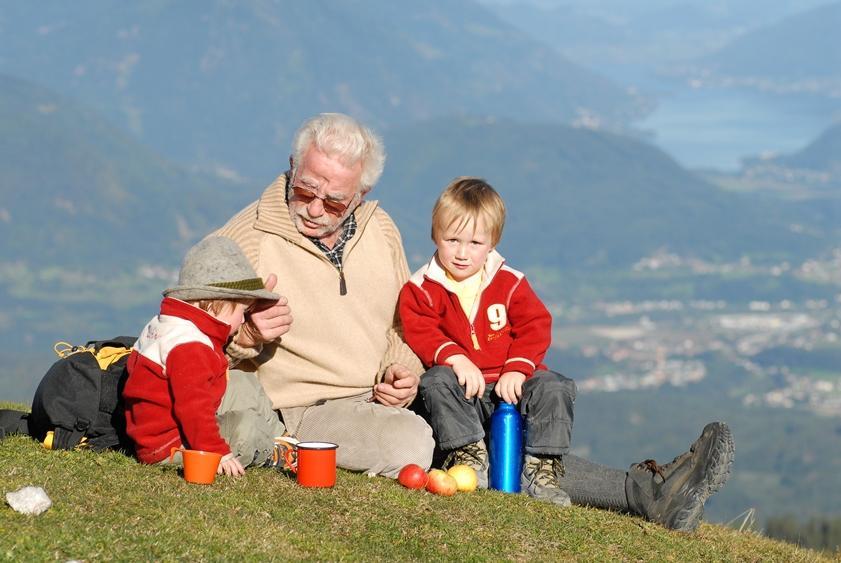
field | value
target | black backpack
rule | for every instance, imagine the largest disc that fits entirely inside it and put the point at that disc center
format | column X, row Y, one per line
column 79, row 400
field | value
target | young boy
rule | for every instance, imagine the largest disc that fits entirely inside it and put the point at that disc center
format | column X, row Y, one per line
column 178, row 391
column 481, row 331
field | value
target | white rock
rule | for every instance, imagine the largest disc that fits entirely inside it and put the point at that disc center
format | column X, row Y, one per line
column 29, row 500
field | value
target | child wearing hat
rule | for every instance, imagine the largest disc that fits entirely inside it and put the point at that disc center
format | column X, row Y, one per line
column 178, row 392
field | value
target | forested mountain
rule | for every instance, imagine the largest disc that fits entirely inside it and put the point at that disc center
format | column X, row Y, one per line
column 600, row 200
column 652, row 34
column 224, row 84
column 75, row 189
column 801, row 48
column 822, row 154
column 583, row 199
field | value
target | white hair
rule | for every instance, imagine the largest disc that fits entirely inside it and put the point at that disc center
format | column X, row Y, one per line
column 341, row 136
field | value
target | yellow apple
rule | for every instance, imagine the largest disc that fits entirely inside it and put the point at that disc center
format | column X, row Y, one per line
column 465, row 477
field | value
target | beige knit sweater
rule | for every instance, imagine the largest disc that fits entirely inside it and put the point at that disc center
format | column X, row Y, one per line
column 338, row 345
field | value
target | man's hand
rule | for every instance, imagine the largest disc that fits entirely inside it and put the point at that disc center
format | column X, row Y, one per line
column 510, row 386
column 398, row 388
column 229, row 465
column 469, row 376
column 266, row 321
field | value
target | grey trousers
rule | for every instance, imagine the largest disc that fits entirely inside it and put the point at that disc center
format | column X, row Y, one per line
column 246, row 419
column 372, row 438
column 546, row 406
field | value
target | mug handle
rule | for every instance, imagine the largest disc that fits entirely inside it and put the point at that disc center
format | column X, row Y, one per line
column 173, row 450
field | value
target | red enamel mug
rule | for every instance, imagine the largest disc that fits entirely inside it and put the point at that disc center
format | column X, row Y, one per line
column 314, row 463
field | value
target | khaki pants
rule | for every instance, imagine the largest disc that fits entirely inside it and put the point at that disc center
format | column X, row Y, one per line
column 246, row 419
column 372, row 438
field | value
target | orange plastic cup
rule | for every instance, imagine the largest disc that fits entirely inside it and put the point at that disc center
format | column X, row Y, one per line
column 199, row 466
column 313, row 462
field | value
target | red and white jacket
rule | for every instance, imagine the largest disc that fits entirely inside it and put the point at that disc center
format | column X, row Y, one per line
column 177, row 376
column 511, row 325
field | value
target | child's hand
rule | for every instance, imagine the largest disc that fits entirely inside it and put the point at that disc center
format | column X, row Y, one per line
column 230, row 466
column 469, row 376
column 510, row 386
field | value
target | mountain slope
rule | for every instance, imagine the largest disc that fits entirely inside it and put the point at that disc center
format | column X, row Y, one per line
column 801, row 47
column 617, row 34
column 823, row 154
column 601, row 200
column 578, row 198
column 222, row 83
column 76, row 191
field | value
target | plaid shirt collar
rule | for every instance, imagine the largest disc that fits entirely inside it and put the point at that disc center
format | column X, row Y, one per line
column 336, row 253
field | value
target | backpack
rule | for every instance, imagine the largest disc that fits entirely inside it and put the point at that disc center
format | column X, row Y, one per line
column 79, row 399
column 13, row 422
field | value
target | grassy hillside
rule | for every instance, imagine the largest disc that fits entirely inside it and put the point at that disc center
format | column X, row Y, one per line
column 106, row 506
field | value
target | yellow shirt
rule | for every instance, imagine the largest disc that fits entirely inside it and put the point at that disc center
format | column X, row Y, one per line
column 467, row 291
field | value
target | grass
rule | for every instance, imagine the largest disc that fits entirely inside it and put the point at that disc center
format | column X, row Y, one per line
column 107, row 506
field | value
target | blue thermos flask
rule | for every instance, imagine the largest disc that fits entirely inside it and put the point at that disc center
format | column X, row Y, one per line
column 506, row 448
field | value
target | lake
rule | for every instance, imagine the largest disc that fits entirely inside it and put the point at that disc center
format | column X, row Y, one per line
column 716, row 128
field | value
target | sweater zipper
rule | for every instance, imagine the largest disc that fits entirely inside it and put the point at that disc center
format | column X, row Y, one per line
column 342, row 284
column 474, row 309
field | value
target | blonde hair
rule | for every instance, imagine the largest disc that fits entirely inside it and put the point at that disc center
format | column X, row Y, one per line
column 219, row 306
column 468, row 199
column 342, row 137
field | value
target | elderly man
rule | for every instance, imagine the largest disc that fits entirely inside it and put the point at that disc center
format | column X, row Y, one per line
column 342, row 373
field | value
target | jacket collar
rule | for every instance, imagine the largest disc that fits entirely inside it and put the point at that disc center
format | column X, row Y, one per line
column 216, row 330
column 436, row 273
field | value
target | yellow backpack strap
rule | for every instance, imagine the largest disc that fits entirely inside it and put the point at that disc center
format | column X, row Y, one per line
column 65, row 349
column 107, row 355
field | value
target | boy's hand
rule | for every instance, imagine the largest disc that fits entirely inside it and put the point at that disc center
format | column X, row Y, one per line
column 469, row 376
column 230, row 466
column 510, row 386
column 266, row 321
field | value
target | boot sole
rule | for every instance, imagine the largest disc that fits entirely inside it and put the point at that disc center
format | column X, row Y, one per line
column 719, row 465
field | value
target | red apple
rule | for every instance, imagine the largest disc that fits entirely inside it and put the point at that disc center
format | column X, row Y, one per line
column 441, row 483
column 413, row 476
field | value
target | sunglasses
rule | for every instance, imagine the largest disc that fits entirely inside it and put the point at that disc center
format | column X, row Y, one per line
column 333, row 207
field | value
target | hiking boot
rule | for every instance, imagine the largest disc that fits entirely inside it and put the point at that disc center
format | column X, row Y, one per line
column 539, row 479
column 474, row 455
column 674, row 494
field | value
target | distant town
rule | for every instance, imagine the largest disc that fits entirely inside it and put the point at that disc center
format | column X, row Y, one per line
column 646, row 344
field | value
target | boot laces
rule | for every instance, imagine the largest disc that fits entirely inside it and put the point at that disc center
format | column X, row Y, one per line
column 546, row 471
column 474, row 455
column 652, row 466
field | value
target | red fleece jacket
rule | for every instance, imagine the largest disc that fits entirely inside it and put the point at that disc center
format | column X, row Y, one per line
column 177, row 376
column 512, row 326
